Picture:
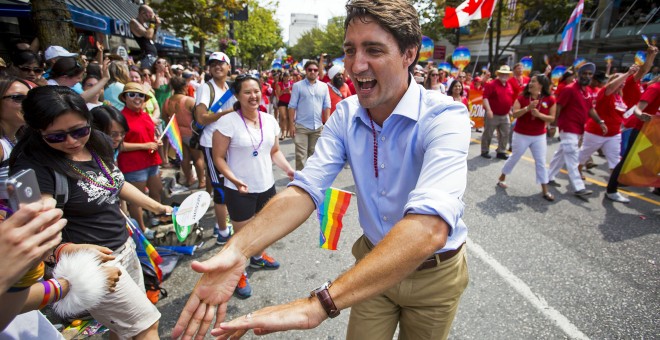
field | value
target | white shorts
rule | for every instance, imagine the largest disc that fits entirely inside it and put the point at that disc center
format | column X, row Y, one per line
column 127, row 311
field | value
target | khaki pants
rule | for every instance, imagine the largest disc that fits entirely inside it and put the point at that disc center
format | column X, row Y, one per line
column 305, row 141
column 503, row 126
column 423, row 304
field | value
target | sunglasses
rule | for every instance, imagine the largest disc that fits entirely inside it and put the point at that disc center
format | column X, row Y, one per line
column 134, row 94
column 16, row 98
column 60, row 137
column 312, row 70
column 37, row 70
column 434, row 74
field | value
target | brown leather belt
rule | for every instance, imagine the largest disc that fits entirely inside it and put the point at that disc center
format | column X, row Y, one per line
column 436, row 259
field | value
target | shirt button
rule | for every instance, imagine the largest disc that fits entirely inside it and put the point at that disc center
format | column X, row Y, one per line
column 382, row 166
column 382, row 193
column 382, row 138
column 384, row 218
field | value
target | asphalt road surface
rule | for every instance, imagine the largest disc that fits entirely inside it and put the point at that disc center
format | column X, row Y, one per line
column 573, row 268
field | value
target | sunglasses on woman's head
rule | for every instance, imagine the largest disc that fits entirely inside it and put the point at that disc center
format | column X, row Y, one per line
column 134, row 94
column 59, row 137
column 16, row 98
column 37, row 70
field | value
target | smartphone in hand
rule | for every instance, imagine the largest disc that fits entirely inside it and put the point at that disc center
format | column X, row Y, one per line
column 22, row 187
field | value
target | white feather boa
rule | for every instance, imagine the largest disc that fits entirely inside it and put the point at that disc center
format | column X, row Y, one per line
column 87, row 282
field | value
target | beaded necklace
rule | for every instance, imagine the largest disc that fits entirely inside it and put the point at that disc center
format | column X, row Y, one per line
column 373, row 130
column 113, row 185
column 255, row 153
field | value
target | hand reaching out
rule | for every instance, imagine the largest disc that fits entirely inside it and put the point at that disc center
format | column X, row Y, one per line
column 211, row 293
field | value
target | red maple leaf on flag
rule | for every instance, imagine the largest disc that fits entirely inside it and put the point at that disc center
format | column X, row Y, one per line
column 473, row 6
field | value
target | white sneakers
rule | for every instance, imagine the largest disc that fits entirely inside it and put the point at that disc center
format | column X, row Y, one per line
column 617, row 197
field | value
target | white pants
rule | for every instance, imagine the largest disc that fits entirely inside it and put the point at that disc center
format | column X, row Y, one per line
column 567, row 152
column 538, row 146
column 611, row 148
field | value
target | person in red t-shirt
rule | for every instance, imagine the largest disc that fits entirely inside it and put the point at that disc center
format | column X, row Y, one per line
column 644, row 111
column 575, row 104
column 517, row 80
column 498, row 100
column 283, row 93
column 632, row 91
column 138, row 161
column 610, row 107
column 533, row 110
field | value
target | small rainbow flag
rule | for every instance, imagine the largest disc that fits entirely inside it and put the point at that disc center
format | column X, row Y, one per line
column 174, row 136
column 154, row 257
column 331, row 212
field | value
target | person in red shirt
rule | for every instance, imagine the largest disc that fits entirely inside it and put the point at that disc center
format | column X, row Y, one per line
column 518, row 81
column 498, row 100
column 455, row 91
column 337, row 88
column 283, row 93
column 575, row 104
column 647, row 108
column 610, row 107
column 533, row 110
column 139, row 159
column 632, row 90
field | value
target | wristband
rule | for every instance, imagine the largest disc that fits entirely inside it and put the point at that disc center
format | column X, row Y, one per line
column 58, row 289
column 58, row 251
column 46, row 298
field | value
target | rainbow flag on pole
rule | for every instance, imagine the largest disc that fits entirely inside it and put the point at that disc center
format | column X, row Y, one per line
column 641, row 168
column 154, row 257
column 174, row 136
column 331, row 212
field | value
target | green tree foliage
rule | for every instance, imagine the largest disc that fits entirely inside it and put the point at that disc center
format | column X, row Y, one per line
column 198, row 19
column 260, row 36
column 329, row 40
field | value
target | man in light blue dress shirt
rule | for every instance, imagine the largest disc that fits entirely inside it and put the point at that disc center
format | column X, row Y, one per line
column 309, row 107
column 407, row 148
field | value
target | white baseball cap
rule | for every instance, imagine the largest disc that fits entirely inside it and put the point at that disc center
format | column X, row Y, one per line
column 57, row 51
column 219, row 56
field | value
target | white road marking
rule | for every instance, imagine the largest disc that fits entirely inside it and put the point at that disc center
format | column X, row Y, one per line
column 523, row 289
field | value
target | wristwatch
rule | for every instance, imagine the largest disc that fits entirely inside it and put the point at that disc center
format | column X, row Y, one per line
column 324, row 297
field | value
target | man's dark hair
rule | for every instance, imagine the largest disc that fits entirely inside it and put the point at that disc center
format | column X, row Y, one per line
column 311, row 62
column 398, row 17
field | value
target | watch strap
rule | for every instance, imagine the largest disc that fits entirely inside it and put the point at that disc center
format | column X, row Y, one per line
column 326, row 301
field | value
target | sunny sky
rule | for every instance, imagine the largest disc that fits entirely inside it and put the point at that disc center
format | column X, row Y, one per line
column 325, row 9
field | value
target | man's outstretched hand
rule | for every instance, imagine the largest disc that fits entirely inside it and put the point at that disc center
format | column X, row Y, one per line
column 211, row 293
column 300, row 314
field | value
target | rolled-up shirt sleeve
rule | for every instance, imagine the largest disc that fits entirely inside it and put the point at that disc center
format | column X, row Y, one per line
column 327, row 161
column 443, row 177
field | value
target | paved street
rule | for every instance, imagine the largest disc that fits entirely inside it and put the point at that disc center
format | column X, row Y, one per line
column 538, row 270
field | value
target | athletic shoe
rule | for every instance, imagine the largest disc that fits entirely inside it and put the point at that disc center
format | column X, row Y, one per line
column 216, row 230
column 265, row 262
column 553, row 183
column 583, row 192
column 221, row 240
column 617, row 197
column 243, row 289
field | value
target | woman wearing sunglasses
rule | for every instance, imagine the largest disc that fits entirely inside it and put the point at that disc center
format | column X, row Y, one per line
column 27, row 65
column 433, row 81
column 59, row 137
column 245, row 146
column 14, row 91
column 139, row 159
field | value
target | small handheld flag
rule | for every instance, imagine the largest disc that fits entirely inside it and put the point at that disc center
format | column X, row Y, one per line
column 331, row 212
column 546, row 59
column 154, row 257
column 640, row 58
column 174, row 136
column 646, row 40
column 609, row 59
column 461, row 57
column 527, row 65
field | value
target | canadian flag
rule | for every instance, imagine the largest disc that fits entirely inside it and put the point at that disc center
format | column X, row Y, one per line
column 468, row 10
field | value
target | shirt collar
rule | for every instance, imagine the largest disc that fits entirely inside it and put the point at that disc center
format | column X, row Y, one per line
column 407, row 106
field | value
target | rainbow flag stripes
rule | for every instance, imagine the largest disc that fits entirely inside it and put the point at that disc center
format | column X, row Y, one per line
column 641, row 168
column 154, row 257
column 331, row 212
column 174, row 136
